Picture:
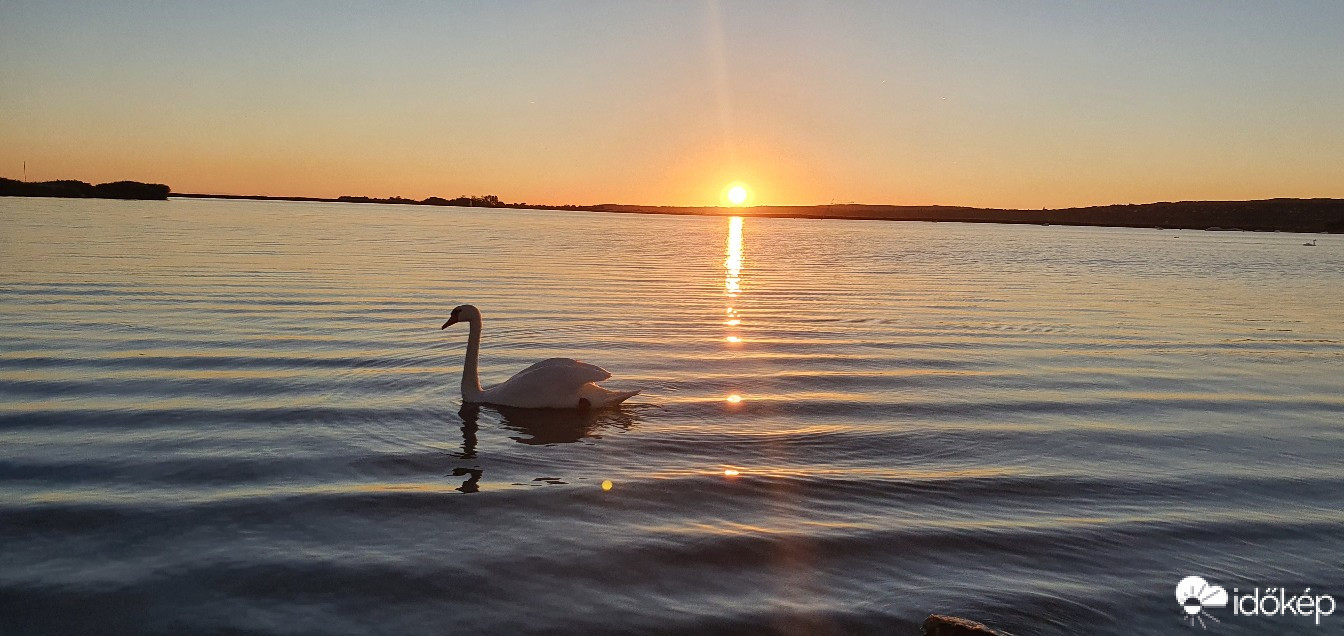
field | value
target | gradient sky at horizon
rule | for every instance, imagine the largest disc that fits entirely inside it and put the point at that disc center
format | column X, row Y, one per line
column 1000, row 104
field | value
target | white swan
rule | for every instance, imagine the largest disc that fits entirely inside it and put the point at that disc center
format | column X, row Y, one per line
column 554, row 383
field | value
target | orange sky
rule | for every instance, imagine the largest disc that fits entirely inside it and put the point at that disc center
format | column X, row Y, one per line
column 1030, row 105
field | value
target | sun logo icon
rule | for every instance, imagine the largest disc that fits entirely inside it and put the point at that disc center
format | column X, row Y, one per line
column 1194, row 594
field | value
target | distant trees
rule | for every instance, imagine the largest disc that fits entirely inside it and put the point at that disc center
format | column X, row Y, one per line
column 131, row 190
column 349, row 199
column 464, row 201
column 79, row 190
column 487, row 201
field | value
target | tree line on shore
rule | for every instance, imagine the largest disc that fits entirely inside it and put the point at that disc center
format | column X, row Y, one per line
column 69, row 188
column 464, row 201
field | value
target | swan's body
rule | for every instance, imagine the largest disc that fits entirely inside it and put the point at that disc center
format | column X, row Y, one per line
column 1311, row 243
column 554, row 383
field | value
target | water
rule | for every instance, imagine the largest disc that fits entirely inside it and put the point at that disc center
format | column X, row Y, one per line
column 231, row 416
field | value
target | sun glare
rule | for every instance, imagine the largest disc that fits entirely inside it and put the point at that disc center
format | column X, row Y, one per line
column 737, row 194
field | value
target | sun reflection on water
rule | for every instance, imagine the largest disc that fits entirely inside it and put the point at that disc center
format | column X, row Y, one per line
column 732, row 277
column 733, row 263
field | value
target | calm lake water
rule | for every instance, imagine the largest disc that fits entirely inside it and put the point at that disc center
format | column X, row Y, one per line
column 242, row 417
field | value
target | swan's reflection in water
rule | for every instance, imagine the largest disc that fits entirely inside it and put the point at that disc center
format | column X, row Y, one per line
column 473, row 476
column 535, row 427
column 469, row 428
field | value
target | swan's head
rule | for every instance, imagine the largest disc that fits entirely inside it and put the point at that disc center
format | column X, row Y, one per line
column 462, row 313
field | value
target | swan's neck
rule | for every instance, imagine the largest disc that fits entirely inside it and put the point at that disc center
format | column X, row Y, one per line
column 471, row 379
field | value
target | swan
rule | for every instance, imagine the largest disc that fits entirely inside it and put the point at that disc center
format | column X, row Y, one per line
column 1311, row 243
column 554, row 383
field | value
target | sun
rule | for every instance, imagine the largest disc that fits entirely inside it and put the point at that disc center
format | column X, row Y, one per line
column 737, row 194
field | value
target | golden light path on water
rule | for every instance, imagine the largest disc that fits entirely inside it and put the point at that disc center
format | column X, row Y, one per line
column 732, row 264
column 732, row 285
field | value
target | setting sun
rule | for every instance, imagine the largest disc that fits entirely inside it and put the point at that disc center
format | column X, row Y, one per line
column 737, row 194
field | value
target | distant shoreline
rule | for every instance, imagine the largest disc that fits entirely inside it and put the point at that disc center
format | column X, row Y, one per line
column 1268, row 215
column 1263, row 215
column 71, row 189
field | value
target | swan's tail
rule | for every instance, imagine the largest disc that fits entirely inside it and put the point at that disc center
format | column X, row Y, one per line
column 620, row 396
column 600, row 397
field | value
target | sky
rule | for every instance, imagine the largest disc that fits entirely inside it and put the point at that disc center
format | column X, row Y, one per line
column 1022, row 104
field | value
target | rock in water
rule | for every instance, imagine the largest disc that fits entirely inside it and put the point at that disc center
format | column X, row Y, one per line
column 939, row 625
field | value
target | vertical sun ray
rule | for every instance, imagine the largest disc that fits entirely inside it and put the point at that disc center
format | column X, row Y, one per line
column 718, row 60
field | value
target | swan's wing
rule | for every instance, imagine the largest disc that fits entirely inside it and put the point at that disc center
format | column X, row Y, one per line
column 597, row 373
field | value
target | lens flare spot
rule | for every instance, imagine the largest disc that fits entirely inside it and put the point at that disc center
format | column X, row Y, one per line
column 734, row 398
column 733, row 322
column 731, row 472
column 733, row 339
column 606, row 484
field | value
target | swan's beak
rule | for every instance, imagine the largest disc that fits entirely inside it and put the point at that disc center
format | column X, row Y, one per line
column 451, row 321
